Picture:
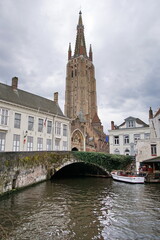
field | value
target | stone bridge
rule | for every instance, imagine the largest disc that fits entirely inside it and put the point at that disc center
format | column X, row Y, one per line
column 21, row 169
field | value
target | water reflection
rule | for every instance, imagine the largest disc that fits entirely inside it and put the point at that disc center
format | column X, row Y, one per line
column 83, row 208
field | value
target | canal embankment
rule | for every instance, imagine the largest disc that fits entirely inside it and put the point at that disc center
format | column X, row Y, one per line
column 22, row 169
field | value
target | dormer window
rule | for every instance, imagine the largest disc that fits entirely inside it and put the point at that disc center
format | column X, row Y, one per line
column 130, row 124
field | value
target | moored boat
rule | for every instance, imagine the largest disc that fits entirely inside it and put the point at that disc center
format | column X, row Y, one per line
column 127, row 177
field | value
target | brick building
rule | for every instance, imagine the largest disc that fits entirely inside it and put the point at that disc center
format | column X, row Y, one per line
column 80, row 98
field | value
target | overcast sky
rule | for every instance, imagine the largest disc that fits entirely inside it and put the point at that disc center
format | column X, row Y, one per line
column 125, row 38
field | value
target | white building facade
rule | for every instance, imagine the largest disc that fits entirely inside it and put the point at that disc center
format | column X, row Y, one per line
column 123, row 138
column 150, row 148
column 31, row 123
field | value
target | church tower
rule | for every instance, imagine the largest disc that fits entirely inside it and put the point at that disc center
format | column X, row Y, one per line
column 80, row 97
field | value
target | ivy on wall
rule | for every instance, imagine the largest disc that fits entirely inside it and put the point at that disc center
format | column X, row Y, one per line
column 29, row 159
column 108, row 161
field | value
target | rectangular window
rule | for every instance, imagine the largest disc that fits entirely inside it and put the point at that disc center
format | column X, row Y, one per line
column 153, row 150
column 49, row 145
column 17, row 120
column 136, row 138
column 30, row 123
column 29, row 143
column 40, row 125
column 130, row 124
column 49, row 126
column 57, row 144
column 147, row 136
column 58, row 128
column 65, row 146
column 16, row 142
column 126, row 139
column 39, row 144
column 2, row 141
column 116, row 140
column 4, row 116
column 64, row 130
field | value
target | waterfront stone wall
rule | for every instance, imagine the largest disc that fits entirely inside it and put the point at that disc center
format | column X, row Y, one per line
column 19, row 177
column 21, row 169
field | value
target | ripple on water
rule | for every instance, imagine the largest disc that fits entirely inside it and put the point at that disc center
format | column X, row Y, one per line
column 86, row 209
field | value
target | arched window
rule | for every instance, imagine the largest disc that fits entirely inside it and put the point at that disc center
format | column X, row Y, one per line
column 72, row 74
column 127, row 152
column 116, row 151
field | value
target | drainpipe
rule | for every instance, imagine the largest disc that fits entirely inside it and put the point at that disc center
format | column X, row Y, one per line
column 84, row 146
column 53, row 133
column 69, row 137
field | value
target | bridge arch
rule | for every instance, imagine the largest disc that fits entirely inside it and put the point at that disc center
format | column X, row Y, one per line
column 77, row 169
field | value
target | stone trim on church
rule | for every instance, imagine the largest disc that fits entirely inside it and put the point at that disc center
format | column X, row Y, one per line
column 81, row 98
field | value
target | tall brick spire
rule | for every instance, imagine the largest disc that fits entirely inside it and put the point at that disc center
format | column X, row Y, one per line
column 80, row 46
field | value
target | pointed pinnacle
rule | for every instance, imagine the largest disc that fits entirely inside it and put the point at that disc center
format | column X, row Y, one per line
column 80, row 19
column 69, row 47
column 90, row 48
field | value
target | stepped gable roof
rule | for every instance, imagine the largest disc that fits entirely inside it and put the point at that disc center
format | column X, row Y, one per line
column 157, row 113
column 96, row 119
column 29, row 100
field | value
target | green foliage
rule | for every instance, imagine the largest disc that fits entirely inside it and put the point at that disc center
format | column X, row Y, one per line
column 7, row 163
column 46, row 159
column 108, row 161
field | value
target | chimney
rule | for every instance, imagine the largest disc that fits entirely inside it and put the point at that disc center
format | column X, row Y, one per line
column 56, row 97
column 112, row 125
column 150, row 113
column 14, row 83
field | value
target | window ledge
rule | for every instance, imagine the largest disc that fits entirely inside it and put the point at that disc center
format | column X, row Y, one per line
column 4, row 127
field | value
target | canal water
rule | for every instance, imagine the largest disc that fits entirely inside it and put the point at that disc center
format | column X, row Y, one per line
column 82, row 208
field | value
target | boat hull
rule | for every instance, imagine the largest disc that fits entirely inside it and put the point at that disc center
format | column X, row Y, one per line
column 128, row 179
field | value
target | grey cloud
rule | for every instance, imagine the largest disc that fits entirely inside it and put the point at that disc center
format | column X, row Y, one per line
column 34, row 38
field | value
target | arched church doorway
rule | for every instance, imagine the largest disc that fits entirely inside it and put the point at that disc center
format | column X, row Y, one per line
column 77, row 141
column 74, row 149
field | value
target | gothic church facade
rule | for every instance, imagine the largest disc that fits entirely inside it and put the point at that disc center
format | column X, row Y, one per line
column 80, row 98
